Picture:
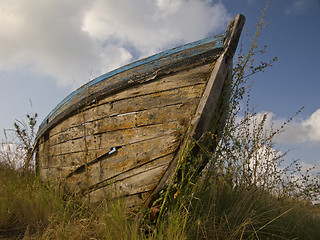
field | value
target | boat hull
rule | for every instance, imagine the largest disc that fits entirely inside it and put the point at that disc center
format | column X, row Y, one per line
column 121, row 135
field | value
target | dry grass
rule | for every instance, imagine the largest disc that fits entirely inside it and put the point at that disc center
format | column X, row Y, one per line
column 213, row 210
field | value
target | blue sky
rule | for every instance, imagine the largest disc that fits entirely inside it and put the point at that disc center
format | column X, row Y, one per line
column 48, row 48
column 293, row 82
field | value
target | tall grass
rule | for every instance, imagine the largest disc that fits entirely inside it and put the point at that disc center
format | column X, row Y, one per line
column 24, row 203
column 212, row 210
column 35, row 210
column 247, row 191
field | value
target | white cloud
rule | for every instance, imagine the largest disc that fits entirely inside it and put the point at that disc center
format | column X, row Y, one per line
column 69, row 40
column 295, row 132
column 45, row 36
column 312, row 126
column 149, row 26
column 298, row 7
column 301, row 130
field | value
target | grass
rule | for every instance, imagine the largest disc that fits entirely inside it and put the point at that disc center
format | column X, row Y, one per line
column 35, row 210
column 224, row 212
column 212, row 210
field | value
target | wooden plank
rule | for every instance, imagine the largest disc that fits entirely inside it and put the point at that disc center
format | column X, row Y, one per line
column 157, row 100
column 78, row 145
column 125, row 121
column 141, row 178
column 181, row 79
column 134, row 153
column 174, row 96
column 125, row 159
column 185, row 79
column 130, row 203
column 114, row 138
column 188, row 96
column 133, row 182
column 74, row 158
column 43, row 152
column 40, row 155
column 133, row 202
column 118, row 138
column 54, row 175
column 211, row 95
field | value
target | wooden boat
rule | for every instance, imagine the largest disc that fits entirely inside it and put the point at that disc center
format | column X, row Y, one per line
column 121, row 133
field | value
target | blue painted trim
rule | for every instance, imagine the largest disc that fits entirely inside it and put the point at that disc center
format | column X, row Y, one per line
column 216, row 41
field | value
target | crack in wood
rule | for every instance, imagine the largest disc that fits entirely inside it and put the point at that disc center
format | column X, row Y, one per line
column 82, row 168
column 132, row 143
column 113, row 131
column 106, row 182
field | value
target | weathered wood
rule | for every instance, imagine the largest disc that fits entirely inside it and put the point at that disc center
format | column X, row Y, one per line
column 174, row 60
column 187, row 78
column 121, row 122
column 101, row 176
column 210, row 97
column 202, row 120
column 122, row 134
column 132, row 181
column 135, row 181
column 166, row 82
column 109, row 165
column 178, row 111
column 118, row 138
column 131, row 203
column 134, row 201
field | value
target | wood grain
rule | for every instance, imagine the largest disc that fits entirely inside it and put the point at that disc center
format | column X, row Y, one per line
column 121, row 134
